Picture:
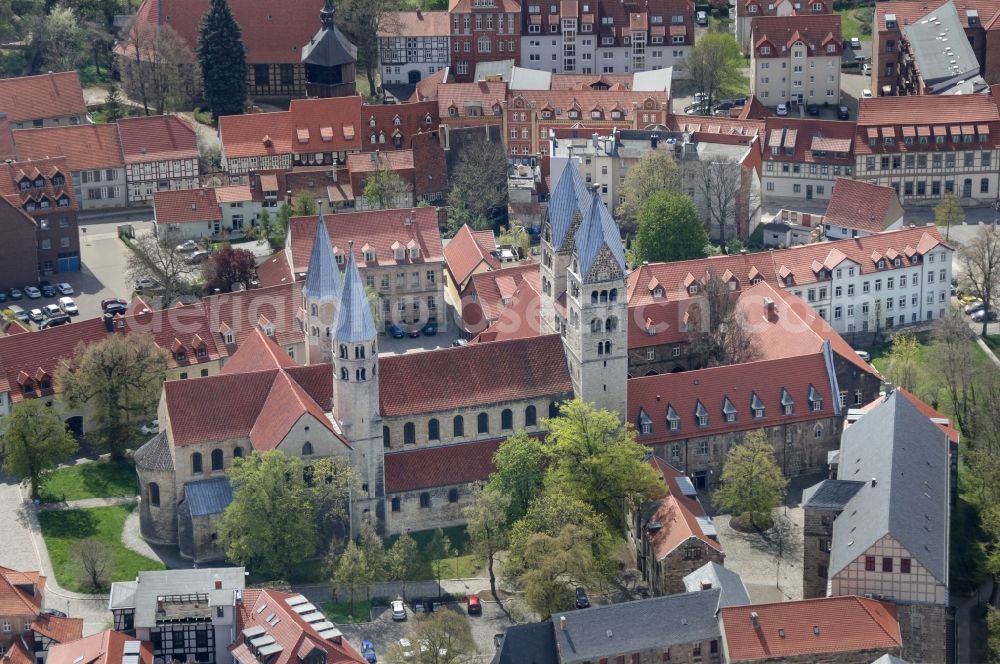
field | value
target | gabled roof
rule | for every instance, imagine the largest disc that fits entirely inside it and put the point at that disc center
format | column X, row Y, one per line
column 59, row 629
column 905, row 455
column 258, row 352
column 322, row 276
column 464, row 253
column 55, row 95
column 441, row 465
column 677, row 514
column 488, row 373
column 862, row 206
column 354, row 323
column 820, row 626
column 207, row 497
column 488, row 294
column 243, row 312
column 481, row 97
column 830, row 494
column 287, row 628
column 309, row 125
column 414, row 24
column 107, row 647
column 20, row 592
column 811, row 29
column 157, row 138
column 183, row 206
column 714, row 575
column 85, row 146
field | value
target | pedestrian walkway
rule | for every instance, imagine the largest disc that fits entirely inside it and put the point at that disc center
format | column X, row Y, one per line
column 87, row 503
column 323, row 592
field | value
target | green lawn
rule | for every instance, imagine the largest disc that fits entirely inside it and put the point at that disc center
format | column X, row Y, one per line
column 341, row 612
column 63, row 529
column 993, row 341
column 453, row 567
column 850, row 24
column 93, row 479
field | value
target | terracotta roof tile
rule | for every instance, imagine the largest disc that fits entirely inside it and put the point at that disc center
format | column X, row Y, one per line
column 273, row 31
column 60, row 630
column 518, row 320
column 430, row 168
column 106, row 647
column 467, row 250
column 415, row 24
column 811, row 627
column 16, row 598
column 413, row 118
column 17, row 654
column 84, row 146
column 677, row 515
column 183, row 206
column 482, row 300
column 485, row 373
column 427, row 89
column 258, row 352
column 442, row 465
column 811, row 29
column 11, row 173
column 157, row 138
column 862, row 206
column 299, row 129
column 807, row 138
column 43, row 96
column 240, row 312
column 275, row 271
column 482, row 96
column 285, row 404
column 930, row 114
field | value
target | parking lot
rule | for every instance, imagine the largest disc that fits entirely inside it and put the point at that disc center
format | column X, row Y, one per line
column 443, row 339
column 384, row 632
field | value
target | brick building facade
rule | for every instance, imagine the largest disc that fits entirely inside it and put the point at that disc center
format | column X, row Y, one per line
column 483, row 31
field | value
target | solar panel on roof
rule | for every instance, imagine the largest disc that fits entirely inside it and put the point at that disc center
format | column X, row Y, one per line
column 304, row 608
column 262, row 641
column 130, row 659
column 315, row 616
column 294, row 601
column 333, row 633
column 251, row 632
column 707, row 526
column 320, row 626
column 271, row 649
column 131, row 647
column 686, row 486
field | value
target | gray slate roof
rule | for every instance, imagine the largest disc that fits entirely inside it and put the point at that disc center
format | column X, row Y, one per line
column 329, row 47
column 637, row 626
column 354, row 316
column 907, row 455
column 598, row 231
column 830, row 494
column 533, row 643
column 940, row 69
column 208, row 496
column 569, row 198
column 323, row 276
column 889, row 659
column 151, row 585
column 155, row 454
column 734, row 592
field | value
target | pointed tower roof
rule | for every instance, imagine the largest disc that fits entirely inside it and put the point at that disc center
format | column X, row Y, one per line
column 329, row 47
column 598, row 230
column 354, row 317
column 323, row 276
column 569, row 197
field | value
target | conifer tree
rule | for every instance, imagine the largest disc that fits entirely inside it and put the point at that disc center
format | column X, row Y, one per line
column 223, row 60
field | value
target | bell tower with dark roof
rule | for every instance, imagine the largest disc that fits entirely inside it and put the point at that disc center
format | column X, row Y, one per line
column 330, row 60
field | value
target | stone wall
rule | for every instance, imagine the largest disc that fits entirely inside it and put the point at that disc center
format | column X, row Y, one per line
column 928, row 632
column 852, row 657
column 207, row 546
column 708, row 651
column 680, row 562
column 442, row 512
column 158, row 523
column 817, row 535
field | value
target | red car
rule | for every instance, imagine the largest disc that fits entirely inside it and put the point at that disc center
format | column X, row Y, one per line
column 474, row 607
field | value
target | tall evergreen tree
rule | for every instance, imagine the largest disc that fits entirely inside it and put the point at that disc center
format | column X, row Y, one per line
column 223, row 60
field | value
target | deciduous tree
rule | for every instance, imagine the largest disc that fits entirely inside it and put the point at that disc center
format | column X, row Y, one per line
column 437, row 551
column 655, row 171
column 94, row 558
column 443, row 637
column 374, row 552
column 980, row 261
column 478, row 186
column 948, row 213
column 403, row 560
column 34, row 441
column 903, row 361
column 956, row 366
column 488, row 528
column 554, row 566
column 156, row 258
column 55, row 40
column 228, row 267
column 361, row 21
column 385, row 189
column 330, row 482
column 723, row 187
column 716, row 66
column 669, row 229
column 596, row 459
column 119, row 379
column 271, row 525
column 223, row 60
column 520, row 472
column 352, row 572
column 752, row 483
column 718, row 330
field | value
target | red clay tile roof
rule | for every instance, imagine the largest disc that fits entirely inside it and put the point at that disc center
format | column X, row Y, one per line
column 258, row 352
column 275, row 271
column 11, row 173
column 44, row 96
column 483, row 96
column 157, row 138
column 910, row 12
column 677, row 515
column 682, row 393
column 430, row 168
column 273, row 31
column 17, row 654
column 414, row 24
column 520, row 319
column 245, row 311
column 16, row 598
column 183, row 329
column 413, row 117
column 860, row 205
column 369, row 162
column 811, row 29
column 183, row 206
column 309, row 125
column 60, row 630
column 717, row 125
column 483, row 297
column 106, row 647
column 286, row 403
column 809, row 139
column 475, row 375
column 84, row 146
column 378, row 229
column 442, row 465
column 845, row 624
column 467, row 250
column 889, row 116
column 296, row 637
column 657, row 323
column 798, row 260
column 427, row 89
column 7, row 150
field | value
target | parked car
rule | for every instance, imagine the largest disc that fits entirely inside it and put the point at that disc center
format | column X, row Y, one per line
column 812, row 109
column 460, row 342
column 434, row 605
column 413, row 332
column 843, row 113
column 723, row 107
column 3, row 296
column 48, row 290
column 866, row 69
column 984, row 314
column 407, row 648
column 143, row 283
column 697, row 108
column 398, row 609
column 197, row 257
column 582, row 601
column 782, row 109
column 52, row 310
column 54, row 612
column 430, row 329
column 69, row 306
column 368, row 651
column 974, row 306
column 701, row 18
column 18, row 312
column 150, row 428
column 864, row 355
column 187, row 246
column 55, row 321
column 866, row 94
column 64, row 288
column 419, row 606
column 36, row 315
column 967, row 299
column 16, row 294
column 396, row 332
column 475, row 608
column 855, row 43
column 32, row 292
column 114, row 305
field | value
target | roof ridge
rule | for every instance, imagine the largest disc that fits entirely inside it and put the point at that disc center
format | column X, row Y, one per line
column 865, row 604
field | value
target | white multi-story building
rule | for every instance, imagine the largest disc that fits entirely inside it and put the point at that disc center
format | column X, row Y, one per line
column 748, row 10
column 413, row 45
column 929, row 145
column 603, row 37
column 796, row 59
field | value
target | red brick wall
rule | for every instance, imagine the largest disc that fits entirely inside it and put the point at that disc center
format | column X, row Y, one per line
column 18, row 256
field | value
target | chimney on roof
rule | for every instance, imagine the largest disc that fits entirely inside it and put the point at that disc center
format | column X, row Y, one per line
column 874, row 481
column 562, row 622
column 420, row 15
column 706, row 584
column 218, row 584
column 769, row 306
column 754, row 620
column 888, row 391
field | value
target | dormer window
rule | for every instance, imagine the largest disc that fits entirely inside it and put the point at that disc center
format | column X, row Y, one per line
column 396, row 121
column 728, row 410
column 58, row 180
column 693, row 289
column 658, row 292
column 414, row 253
column 371, row 122
column 673, row 420
column 201, row 352
column 787, row 403
column 881, row 265
column 756, row 406
column 180, row 356
column 815, row 400
column 399, row 253
column 645, row 423
column 765, row 50
column 228, row 337
column 595, row 115
column 39, row 182
column 427, row 119
column 339, row 258
column 701, row 414
column 897, row 262
column 369, row 256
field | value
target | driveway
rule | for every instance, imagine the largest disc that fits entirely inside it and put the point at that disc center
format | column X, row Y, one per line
column 443, row 339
